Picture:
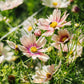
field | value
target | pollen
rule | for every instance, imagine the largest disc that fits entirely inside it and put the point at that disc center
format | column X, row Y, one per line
column 48, row 75
column 53, row 24
column 33, row 49
column 55, row 3
column 30, row 28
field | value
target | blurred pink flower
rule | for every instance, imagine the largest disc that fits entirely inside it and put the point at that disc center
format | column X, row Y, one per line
column 53, row 22
column 32, row 48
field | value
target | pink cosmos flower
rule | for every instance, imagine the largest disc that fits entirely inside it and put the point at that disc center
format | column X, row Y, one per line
column 32, row 48
column 9, row 4
column 53, row 22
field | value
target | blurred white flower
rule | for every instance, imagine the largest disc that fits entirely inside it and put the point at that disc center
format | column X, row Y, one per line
column 56, row 3
column 5, row 53
column 9, row 4
column 46, row 73
column 29, row 25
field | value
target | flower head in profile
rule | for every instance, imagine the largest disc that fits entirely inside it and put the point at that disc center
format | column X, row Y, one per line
column 33, row 48
column 5, row 53
column 62, row 38
column 9, row 4
column 56, row 3
column 29, row 25
column 45, row 74
column 55, row 21
column 12, row 45
column 75, row 49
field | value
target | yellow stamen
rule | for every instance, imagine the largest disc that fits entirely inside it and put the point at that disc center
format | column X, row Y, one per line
column 53, row 24
column 55, row 3
column 30, row 28
column 48, row 75
column 33, row 49
column 71, row 52
column 63, row 39
column 49, row 49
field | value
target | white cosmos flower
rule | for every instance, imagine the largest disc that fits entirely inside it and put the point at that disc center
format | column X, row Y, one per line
column 45, row 74
column 5, row 53
column 29, row 25
column 56, row 3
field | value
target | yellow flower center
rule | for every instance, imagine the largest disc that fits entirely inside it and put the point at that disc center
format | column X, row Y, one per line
column 30, row 28
column 33, row 49
column 48, row 75
column 63, row 39
column 16, row 46
column 53, row 24
column 55, row 3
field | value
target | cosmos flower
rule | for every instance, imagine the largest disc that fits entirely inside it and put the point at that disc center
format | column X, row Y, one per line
column 33, row 48
column 74, row 49
column 45, row 74
column 9, row 4
column 53, row 22
column 12, row 45
column 74, row 52
column 29, row 25
column 62, row 37
column 56, row 3
column 5, row 54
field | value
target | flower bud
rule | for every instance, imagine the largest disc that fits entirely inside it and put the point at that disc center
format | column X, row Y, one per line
column 37, row 32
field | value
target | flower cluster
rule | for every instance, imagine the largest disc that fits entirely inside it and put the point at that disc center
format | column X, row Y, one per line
column 34, row 41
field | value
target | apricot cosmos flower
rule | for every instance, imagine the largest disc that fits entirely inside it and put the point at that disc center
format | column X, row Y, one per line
column 62, row 37
column 56, row 3
column 33, row 48
column 45, row 74
column 53, row 22
column 9, row 4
